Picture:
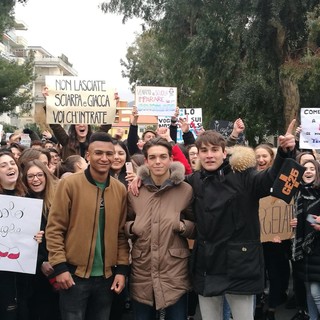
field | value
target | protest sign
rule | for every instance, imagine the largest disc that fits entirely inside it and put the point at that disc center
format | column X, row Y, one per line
column 19, row 221
column 156, row 101
column 310, row 125
column 25, row 140
column 164, row 122
column 275, row 216
column 225, row 127
column 71, row 100
column 192, row 115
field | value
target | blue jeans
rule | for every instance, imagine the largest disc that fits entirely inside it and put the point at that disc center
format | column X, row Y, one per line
column 177, row 311
column 313, row 299
column 88, row 299
column 226, row 310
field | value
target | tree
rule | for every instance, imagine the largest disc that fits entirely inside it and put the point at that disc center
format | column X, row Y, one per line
column 16, row 84
column 15, row 79
column 253, row 59
column 7, row 14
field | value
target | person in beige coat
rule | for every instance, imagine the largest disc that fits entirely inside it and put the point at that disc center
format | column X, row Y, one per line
column 159, row 222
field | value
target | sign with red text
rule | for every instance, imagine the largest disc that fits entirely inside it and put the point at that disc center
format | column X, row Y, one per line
column 192, row 115
column 20, row 219
column 71, row 100
column 156, row 101
column 275, row 216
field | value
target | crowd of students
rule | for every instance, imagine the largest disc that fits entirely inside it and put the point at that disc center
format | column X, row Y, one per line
column 191, row 221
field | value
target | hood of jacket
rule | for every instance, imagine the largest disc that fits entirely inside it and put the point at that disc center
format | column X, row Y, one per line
column 242, row 158
column 176, row 172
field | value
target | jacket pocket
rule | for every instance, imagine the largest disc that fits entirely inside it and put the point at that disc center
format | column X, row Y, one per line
column 245, row 260
column 180, row 253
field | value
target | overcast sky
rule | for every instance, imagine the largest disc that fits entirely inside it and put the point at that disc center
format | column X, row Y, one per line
column 94, row 42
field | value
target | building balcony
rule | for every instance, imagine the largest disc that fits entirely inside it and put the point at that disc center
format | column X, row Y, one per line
column 52, row 62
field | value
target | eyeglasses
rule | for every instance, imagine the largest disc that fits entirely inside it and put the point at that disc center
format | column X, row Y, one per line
column 100, row 153
column 31, row 177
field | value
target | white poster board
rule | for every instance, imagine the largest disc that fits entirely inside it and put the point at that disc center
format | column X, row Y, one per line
column 156, row 101
column 71, row 100
column 192, row 115
column 20, row 220
column 310, row 125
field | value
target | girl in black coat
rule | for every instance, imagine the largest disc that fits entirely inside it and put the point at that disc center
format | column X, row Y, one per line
column 306, row 246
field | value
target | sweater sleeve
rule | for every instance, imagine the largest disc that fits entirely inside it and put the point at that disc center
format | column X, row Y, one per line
column 133, row 139
column 179, row 156
column 60, row 134
column 188, row 138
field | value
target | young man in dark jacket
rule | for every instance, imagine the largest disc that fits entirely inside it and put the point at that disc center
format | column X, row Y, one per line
column 228, row 259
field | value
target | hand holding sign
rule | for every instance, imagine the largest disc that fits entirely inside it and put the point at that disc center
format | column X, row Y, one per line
column 287, row 142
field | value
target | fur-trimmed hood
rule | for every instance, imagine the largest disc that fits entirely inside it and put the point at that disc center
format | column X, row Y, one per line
column 240, row 158
column 176, row 172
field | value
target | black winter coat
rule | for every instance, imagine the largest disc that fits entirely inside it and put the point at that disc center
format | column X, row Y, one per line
column 227, row 256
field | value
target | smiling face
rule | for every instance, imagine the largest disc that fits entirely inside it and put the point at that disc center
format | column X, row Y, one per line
column 310, row 173
column 100, row 156
column 81, row 131
column 193, row 156
column 36, row 179
column 211, row 156
column 264, row 158
column 119, row 158
column 9, row 172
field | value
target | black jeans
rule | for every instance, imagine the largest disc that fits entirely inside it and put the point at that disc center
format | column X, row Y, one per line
column 88, row 299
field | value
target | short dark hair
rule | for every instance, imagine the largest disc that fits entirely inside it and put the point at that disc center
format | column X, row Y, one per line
column 156, row 142
column 100, row 136
column 211, row 137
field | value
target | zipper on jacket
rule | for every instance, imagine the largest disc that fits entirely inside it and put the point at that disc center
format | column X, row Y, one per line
column 94, row 226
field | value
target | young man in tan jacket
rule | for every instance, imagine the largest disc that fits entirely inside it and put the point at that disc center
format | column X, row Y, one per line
column 159, row 222
column 85, row 236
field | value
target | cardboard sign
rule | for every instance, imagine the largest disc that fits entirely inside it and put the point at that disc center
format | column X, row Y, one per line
column 71, row 100
column 310, row 125
column 275, row 216
column 19, row 221
column 156, row 101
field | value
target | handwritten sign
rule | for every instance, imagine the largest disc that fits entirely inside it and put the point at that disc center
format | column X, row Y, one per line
column 156, row 101
column 310, row 125
column 225, row 128
column 192, row 115
column 71, row 100
column 19, row 221
column 275, row 216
